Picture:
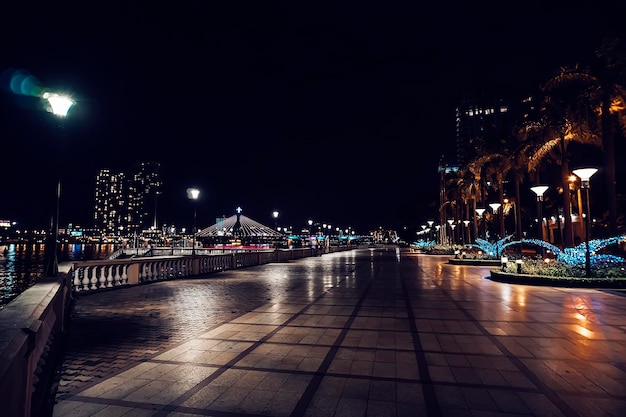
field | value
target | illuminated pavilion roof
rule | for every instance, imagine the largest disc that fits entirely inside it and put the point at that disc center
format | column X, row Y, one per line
column 238, row 225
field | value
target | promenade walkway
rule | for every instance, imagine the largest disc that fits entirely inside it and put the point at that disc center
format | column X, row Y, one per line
column 380, row 332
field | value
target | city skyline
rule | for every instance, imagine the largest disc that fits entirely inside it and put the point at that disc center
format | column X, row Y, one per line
column 337, row 112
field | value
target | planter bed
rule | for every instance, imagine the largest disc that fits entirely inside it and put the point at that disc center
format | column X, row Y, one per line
column 512, row 278
column 478, row 262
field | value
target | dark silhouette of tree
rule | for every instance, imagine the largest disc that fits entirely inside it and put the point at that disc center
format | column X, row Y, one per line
column 609, row 95
column 564, row 116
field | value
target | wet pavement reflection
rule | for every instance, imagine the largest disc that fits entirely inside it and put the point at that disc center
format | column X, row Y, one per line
column 368, row 332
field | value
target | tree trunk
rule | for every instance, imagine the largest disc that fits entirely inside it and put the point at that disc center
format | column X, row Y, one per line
column 568, row 238
column 608, row 145
column 518, row 210
column 501, row 214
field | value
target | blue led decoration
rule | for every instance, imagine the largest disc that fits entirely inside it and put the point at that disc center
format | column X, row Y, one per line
column 576, row 256
column 492, row 250
column 424, row 244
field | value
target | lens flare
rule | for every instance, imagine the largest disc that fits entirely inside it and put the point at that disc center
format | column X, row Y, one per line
column 21, row 82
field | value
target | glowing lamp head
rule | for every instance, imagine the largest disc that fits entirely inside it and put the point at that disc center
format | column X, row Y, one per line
column 495, row 206
column 193, row 193
column 585, row 175
column 480, row 211
column 275, row 214
column 59, row 104
column 539, row 190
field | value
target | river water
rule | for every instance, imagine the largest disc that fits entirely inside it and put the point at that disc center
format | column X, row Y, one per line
column 22, row 263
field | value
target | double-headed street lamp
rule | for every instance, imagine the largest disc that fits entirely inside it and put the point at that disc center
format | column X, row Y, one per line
column 60, row 106
column 193, row 194
column 585, row 175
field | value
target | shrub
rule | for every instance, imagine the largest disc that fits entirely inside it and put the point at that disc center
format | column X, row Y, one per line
column 555, row 268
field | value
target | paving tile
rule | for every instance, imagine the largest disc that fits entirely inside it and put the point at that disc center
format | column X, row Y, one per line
column 401, row 335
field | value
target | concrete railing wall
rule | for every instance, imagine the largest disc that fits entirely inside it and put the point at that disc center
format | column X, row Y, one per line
column 33, row 325
column 31, row 330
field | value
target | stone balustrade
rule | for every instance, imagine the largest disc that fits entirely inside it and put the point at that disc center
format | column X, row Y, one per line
column 33, row 325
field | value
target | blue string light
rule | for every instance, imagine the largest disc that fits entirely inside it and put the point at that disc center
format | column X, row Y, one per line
column 492, row 249
column 576, row 256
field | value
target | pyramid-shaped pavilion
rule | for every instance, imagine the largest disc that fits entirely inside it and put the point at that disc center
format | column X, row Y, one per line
column 241, row 227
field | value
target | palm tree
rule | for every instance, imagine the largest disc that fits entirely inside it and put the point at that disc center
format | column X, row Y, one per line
column 609, row 94
column 476, row 168
column 565, row 117
column 497, row 167
column 469, row 192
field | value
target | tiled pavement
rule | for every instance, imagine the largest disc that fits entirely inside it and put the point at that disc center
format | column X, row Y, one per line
column 359, row 333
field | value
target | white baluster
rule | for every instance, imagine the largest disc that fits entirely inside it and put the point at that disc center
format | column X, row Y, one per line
column 102, row 279
column 111, row 276
column 124, row 279
column 93, row 278
column 78, row 285
column 162, row 270
column 153, row 271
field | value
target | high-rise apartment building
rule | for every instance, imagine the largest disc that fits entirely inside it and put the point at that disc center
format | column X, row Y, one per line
column 127, row 204
column 481, row 119
column 110, row 201
column 483, row 122
column 145, row 189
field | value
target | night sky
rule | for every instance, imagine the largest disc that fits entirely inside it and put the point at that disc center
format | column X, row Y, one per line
column 334, row 111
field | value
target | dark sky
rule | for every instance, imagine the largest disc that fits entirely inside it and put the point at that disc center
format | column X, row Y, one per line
column 335, row 111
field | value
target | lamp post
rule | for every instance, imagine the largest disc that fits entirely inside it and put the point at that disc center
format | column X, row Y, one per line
column 275, row 216
column 539, row 190
column 585, row 175
column 60, row 106
column 430, row 227
column 466, row 232
column 480, row 212
column 193, row 194
column 494, row 208
column 452, row 237
column 450, row 221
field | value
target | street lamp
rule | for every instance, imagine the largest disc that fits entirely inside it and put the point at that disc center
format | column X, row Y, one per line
column 275, row 216
column 193, row 194
column 585, row 175
column 494, row 208
column 480, row 212
column 466, row 233
column 310, row 227
column 539, row 190
column 452, row 238
column 60, row 106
